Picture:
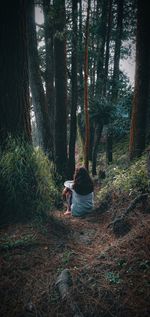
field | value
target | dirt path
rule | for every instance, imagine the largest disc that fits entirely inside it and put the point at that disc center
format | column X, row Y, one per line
column 107, row 272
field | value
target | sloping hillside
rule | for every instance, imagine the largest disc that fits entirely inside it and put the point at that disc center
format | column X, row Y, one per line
column 109, row 269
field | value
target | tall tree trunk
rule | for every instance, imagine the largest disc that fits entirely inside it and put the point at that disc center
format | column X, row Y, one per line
column 38, row 96
column 148, row 112
column 81, row 129
column 97, row 136
column 81, row 88
column 92, row 61
column 14, row 83
column 92, row 71
column 73, row 121
column 118, row 41
column 115, row 80
column 87, row 124
column 142, row 79
column 100, row 76
column 49, row 73
column 109, row 25
column 61, row 88
column 101, row 45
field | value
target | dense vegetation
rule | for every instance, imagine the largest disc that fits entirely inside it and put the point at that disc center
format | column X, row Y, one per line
column 29, row 182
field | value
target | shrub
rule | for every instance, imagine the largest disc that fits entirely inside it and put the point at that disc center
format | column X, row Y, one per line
column 27, row 182
column 132, row 179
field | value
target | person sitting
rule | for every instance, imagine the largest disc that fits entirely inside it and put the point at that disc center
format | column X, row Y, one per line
column 79, row 193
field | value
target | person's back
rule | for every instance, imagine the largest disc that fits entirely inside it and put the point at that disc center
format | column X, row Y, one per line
column 81, row 198
column 81, row 204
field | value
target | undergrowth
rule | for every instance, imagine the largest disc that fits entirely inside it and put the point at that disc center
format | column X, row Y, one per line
column 27, row 182
column 125, row 176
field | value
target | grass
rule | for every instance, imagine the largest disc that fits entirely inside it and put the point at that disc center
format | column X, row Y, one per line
column 8, row 243
column 28, row 182
column 123, row 176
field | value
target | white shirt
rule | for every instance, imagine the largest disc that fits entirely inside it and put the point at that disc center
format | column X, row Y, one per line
column 81, row 204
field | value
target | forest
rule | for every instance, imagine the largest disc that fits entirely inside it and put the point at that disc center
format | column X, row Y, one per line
column 74, row 91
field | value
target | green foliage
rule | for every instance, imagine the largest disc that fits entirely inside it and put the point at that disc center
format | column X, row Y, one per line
column 100, row 110
column 113, row 277
column 122, row 111
column 27, row 182
column 67, row 255
column 124, row 176
column 133, row 179
column 8, row 243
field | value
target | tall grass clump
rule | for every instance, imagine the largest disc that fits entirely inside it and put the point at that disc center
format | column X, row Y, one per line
column 130, row 178
column 27, row 182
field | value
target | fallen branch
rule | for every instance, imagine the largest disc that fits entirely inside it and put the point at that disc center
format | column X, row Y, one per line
column 64, row 282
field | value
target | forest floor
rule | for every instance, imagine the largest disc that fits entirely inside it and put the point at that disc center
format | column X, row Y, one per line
column 109, row 273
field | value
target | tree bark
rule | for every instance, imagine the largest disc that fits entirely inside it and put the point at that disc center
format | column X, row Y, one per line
column 73, row 121
column 101, row 39
column 81, row 80
column 142, row 78
column 61, row 88
column 119, row 29
column 101, row 45
column 49, row 72
column 14, row 84
column 38, row 96
column 98, row 132
column 115, row 79
column 106, row 63
column 87, row 124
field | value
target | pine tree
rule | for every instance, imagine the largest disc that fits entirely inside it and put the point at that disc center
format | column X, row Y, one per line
column 14, row 84
column 142, row 79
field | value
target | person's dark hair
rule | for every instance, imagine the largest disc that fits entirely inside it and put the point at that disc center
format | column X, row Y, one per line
column 83, row 183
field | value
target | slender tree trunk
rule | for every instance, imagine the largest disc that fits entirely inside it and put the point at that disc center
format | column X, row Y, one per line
column 100, row 77
column 106, row 64
column 81, row 129
column 61, row 88
column 33, row 73
column 148, row 113
column 81, row 80
column 14, row 83
column 142, row 79
column 92, row 70
column 115, row 80
column 73, row 122
column 101, row 46
column 49, row 73
column 38, row 96
column 93, row 65
column 87, row 125
column 118, row 41
column 98, row 133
